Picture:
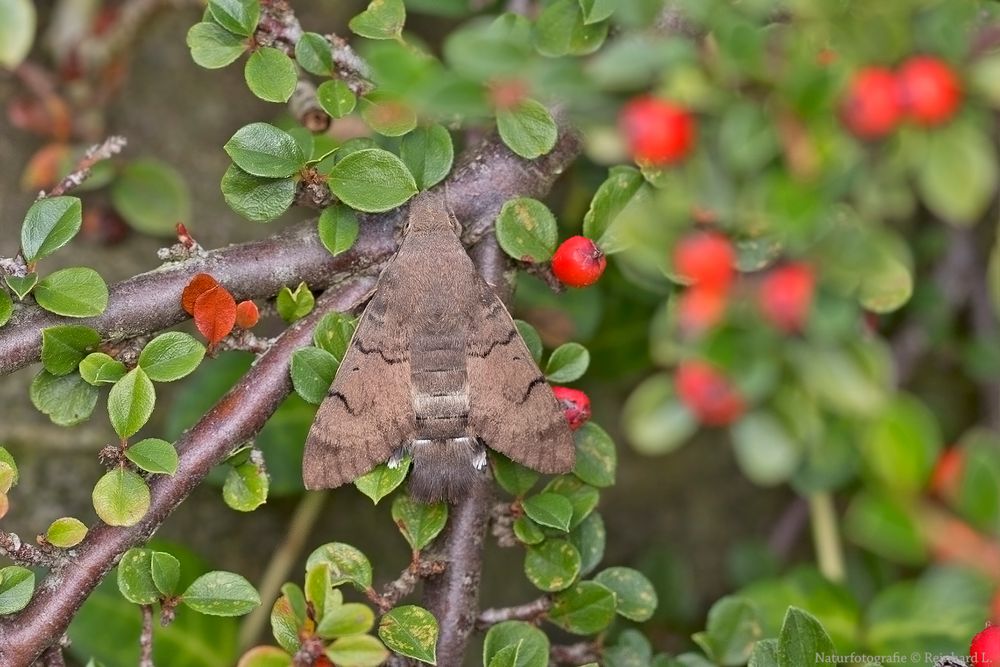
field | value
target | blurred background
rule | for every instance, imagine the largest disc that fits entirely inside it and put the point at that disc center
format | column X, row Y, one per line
column 702, row 511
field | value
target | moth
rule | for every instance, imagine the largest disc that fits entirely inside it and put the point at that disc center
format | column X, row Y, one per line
column 435, row 370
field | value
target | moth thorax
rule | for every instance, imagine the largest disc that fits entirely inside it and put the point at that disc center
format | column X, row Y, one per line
column 446, row 469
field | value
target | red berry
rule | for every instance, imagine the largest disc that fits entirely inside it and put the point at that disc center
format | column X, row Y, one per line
column 929, row 90
column 701, row 308
column 708, row 394
column 871, row 107
column 705, row 259
column 985, row 648
column 786, row 295
column 575, row 405
column 578, row 262
column 947, row 472
column 657, row 131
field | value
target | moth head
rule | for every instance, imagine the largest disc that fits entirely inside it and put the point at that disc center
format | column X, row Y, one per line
column 429, row 212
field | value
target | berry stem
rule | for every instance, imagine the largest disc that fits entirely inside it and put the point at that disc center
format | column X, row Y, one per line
column 826, row 536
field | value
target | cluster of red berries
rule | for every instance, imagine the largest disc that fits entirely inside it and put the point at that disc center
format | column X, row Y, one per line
column 924, row 90
column 706, row 260
column 575, row 406
column 707, row 393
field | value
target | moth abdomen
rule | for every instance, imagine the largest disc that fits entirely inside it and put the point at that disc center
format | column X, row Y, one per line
column 446, row 469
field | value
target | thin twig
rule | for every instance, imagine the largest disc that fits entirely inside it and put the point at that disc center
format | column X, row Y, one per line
column 529, row 611
column 419, row 569
column 53, row 657
column 146, row 637
column 26, row 554
column 96, row 153
column 576, row 654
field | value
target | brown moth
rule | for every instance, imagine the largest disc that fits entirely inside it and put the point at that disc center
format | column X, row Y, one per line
column 437, row 370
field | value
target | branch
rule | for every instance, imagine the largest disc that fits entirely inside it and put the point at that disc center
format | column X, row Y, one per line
column 486, row 177
column 236, row 418
column 529, row 611
column 146, row 637
column 405, row 584
column 26, row 554
column 110, row 147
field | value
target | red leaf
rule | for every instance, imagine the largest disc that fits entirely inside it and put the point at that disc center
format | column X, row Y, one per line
column 200, row 284
column 247, row 314
column 215, row 314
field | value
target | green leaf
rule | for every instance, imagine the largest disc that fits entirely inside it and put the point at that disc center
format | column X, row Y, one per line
column 135, row 577
column 130, row 402
column 10, row 475
column 17, row 584
column 733, row 628
column 902, row 445
column 66, row 399
column 255, row 198
column 383, row 480
column 532, row 645
column 171, row 356
column 528, row 129
column 561, row 30
column 98, row 368
column 212, row 46
column 17, row 32
column 166, row 571
column 320, row 592
column 271, row 75
column 336, row 98
column 549, row 509
column 334, row 333
column 338, row 228
column 597, row 10
column 246, row 487
column 527, row 531
column 294, row 305
column 152, row 197
column 50, row 224
column 765, row 450
column 765, row 654
column 957, row 178
column 612, row 197
column 527, row 230
column 387, row 115
column 583, row 498
column 372, row 180
column 635, row 597
column 887, row 527
column 153, row 455
column 428, row 154
column 21, row 285
column 221, row 594
column 346, row 619
column 567, row 363
column 346, row 564
column 513, row 477
column 64, row 347
column 531, row 338
column 312, row 372
column 314, row 54
column 411, row 631
column 589, row 539
column 585, row 609
column 419, row 522
column 286, row 619
column 596, row 457
column 66, row 532
column 357, row 651
column 263, row 150
column 383, row 19
column 78, row 292
column 553, row 565
column 803, row 641
column 121, row 498
column 236, row 16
